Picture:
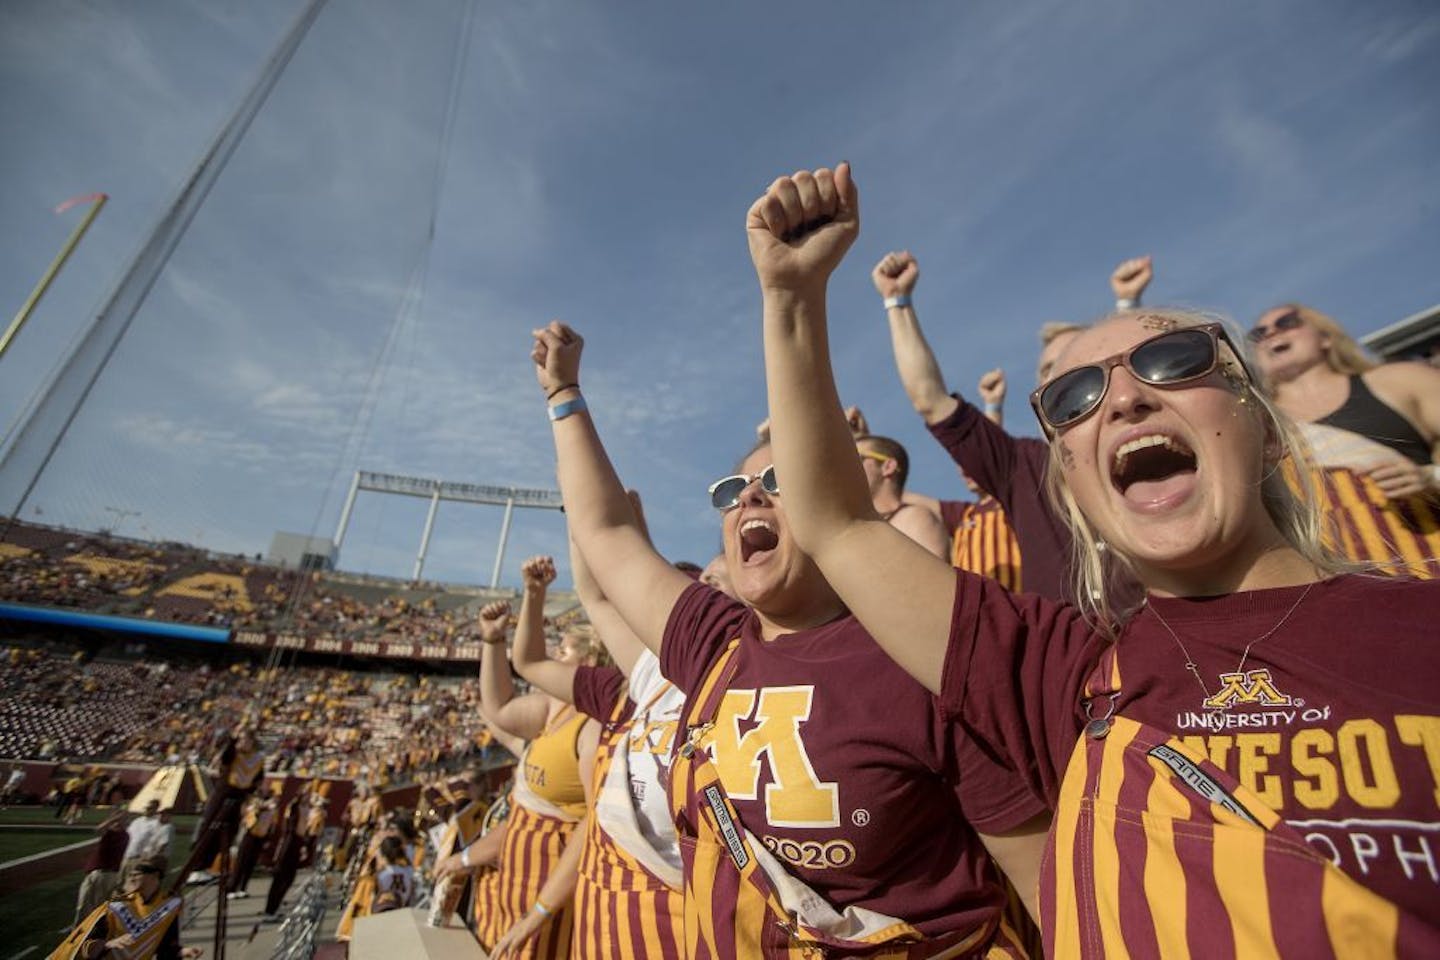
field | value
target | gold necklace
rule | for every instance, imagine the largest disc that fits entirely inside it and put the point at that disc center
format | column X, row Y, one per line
column 1194, row 668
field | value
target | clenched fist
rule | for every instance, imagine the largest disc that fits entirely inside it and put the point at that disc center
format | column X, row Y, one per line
column 802, row 226
column 557, row 356
column 992, row 388
column 493, row 619
column 1131, row 278
column 538, row 572
column 895, row 274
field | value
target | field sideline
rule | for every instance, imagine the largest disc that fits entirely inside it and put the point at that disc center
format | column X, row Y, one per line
column 34, row 916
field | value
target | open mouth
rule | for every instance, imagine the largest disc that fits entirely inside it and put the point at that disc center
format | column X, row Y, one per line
column 1152, row 468
column 757, row 539
column 1278, row 348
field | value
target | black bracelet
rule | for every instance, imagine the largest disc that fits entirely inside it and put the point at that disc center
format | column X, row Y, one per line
column 564, row 386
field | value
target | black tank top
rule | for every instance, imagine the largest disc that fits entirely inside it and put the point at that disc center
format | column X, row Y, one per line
column 1366, row 414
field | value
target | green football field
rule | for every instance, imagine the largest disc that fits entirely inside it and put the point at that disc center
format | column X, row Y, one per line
column 35, row 916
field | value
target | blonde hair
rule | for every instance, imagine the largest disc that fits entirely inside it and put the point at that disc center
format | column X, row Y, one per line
column 587, row 644
column 1107, row 589
column 1053, row 329
column 1343, row 353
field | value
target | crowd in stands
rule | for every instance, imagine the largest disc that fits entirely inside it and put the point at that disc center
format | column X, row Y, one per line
column 178, row 583
column 314, row 721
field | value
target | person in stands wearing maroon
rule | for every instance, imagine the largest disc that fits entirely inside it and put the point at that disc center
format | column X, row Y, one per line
column 1243, row 764
column 815, row 788
column 102, row 866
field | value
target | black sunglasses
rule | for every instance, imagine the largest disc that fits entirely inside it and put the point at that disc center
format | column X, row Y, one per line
column 725, row 492
column 1286, row 321
column 1169, row 359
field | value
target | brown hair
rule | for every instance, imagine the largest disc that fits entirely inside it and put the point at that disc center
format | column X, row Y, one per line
column 892, row 449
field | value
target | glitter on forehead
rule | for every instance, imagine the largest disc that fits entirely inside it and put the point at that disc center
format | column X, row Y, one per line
column 1164, row 324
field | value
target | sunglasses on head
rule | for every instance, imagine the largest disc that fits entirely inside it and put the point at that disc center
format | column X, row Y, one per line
column 1170, row 359
column 1286, row 321
column 872, row 455
column 725, row 493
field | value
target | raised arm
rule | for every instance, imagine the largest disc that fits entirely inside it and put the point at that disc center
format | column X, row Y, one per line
column 522, row 717
column 895, row 277
column 991, row 389
column 624, row 646
column 798, row 233
column 551, row 676
column 1129, row 280
column 637, row 580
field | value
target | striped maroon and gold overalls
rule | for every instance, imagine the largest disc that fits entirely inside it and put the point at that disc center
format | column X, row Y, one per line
column 1398, row 536
column 1157, row 852
column 622, row 907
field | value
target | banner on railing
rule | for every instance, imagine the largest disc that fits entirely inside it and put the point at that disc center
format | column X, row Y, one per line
column 377, row 647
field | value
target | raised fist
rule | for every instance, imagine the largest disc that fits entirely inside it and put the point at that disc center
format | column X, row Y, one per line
column 557, row 356
column 538, row 572
column 895, row 274
column 493, row 619
column 992, row 388
column 856, row 420
column 1131, row 278
column 801, row 227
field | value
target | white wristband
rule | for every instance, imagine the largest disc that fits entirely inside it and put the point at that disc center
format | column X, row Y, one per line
column 1126, row 303
column 902, row 300
column 465, row 857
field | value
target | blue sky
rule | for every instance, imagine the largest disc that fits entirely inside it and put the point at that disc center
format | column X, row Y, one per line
column 599, row 169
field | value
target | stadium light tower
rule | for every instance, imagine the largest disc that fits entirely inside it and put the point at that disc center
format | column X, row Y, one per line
column 437, row 490
column 120, row 517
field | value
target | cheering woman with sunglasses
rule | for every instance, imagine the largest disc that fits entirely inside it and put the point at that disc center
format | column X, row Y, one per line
column 814, row 788
column 1244, row 766
column 1373, row 427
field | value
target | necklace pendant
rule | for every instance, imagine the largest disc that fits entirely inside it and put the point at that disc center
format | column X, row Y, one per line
column 1097, row 729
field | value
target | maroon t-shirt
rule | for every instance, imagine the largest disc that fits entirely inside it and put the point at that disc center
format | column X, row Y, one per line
column 595, row 690
column 1334, row 719
column 834, row 756
column 1013, row 469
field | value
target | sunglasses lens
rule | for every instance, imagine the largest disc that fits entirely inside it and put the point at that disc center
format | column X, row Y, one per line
column 1178, row 356
column 1071, row 395
column 1261, row 333
column 726, row 493
column 768, row 482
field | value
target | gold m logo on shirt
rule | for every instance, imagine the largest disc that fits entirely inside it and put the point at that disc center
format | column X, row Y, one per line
column 1251, row 687
column 796, row 797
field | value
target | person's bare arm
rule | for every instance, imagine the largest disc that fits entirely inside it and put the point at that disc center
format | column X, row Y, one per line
column 551, row 676
column 636, row 579
column 895, row 276
column 827, row 501
column 624, row 646
column 925, row 528
column 516, row 745
column 522, row 717
column 1019, row 853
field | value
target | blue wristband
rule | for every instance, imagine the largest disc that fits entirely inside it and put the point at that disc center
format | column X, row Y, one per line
column 903, row 300
column 560, row 411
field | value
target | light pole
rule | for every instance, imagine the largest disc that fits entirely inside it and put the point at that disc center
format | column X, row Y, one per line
column 120, row 517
